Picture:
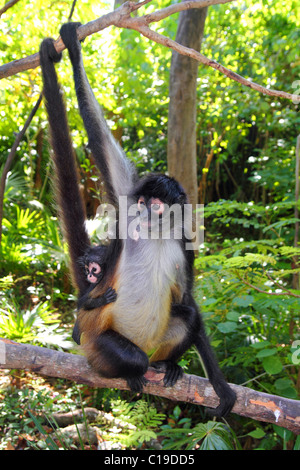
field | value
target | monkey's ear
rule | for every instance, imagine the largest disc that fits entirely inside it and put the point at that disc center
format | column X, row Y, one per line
column 182, row 199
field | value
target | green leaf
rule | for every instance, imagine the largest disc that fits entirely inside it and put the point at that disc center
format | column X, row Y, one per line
column 233, row 316
column 266, row 352
column 297, row 443
column 209, row 301
column 282, row 384
column 243, row 301
column 260, row 344
column 258, row 433
column 272, row 365
column 283, row 432
column 227, row 327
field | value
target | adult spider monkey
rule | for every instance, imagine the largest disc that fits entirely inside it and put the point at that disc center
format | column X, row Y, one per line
column 153, row 278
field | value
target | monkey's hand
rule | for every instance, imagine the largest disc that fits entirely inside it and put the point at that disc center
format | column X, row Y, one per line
column 109, row 296
column 48, row 54
column 68, row 33
column 137, row 383
column 173, row 371
column 88, row 303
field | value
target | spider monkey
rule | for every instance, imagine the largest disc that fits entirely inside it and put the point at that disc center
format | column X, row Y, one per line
column 94, row 264
column 154, row 308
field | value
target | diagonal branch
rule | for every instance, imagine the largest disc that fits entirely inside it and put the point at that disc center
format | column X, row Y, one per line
column 121, row 17
column 159, row 38
column 8, row 5
column 192, row 389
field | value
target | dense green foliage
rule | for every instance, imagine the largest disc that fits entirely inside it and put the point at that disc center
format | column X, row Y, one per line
column 247, row 279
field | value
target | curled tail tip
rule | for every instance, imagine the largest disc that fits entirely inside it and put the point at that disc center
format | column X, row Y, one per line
column 48, row 51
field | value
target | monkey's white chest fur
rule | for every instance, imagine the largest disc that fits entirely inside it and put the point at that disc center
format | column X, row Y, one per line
column 146, row 275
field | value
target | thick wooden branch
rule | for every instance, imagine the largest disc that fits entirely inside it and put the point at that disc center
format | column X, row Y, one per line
column 121, row 18
column 192, row 389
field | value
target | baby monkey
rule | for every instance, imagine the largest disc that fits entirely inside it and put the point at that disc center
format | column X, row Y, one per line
column 94, row 264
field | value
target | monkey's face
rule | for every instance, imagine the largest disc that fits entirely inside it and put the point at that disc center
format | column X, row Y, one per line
column 93, row 272
column 151, row 211
column 159, row 202
column 156, row 219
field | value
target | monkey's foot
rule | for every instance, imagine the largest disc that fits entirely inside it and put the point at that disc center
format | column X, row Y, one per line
column 137, row 383
column 173, row 371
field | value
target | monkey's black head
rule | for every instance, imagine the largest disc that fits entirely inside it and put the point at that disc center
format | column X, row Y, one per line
column 93, row 263
column 155, row 195
column 162, row 187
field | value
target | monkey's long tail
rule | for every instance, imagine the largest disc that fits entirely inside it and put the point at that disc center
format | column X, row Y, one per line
column 68, row 195
column 225, row 393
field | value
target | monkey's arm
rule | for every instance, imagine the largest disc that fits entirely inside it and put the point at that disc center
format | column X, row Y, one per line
column 117, row 170
column 68, row 195
column 88, row 303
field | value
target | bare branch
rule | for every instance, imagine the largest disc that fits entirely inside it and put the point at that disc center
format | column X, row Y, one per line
column 191, row 389
column 178, row 7
column 133, row 23
column 8, row 5
column 278, row 294
column 121, row 17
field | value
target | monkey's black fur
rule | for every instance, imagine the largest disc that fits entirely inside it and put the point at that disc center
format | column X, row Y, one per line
column 94, row 254
column 153, row 278
column 98, row 255
column 69, row 200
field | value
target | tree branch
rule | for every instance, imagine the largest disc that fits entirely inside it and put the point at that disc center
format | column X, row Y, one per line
column 8, row 5
column 121, row 17
column 192, row 389
column 258, row 289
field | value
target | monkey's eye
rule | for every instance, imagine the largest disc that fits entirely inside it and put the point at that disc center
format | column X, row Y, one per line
column 157, row 206
column 94, row 268
column 141, row 203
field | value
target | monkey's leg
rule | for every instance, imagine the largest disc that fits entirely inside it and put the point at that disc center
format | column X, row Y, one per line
column 113, row 355
column 119, row 174
column 178, row 338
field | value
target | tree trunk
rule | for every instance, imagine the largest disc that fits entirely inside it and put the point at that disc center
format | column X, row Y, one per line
column 182, row 156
